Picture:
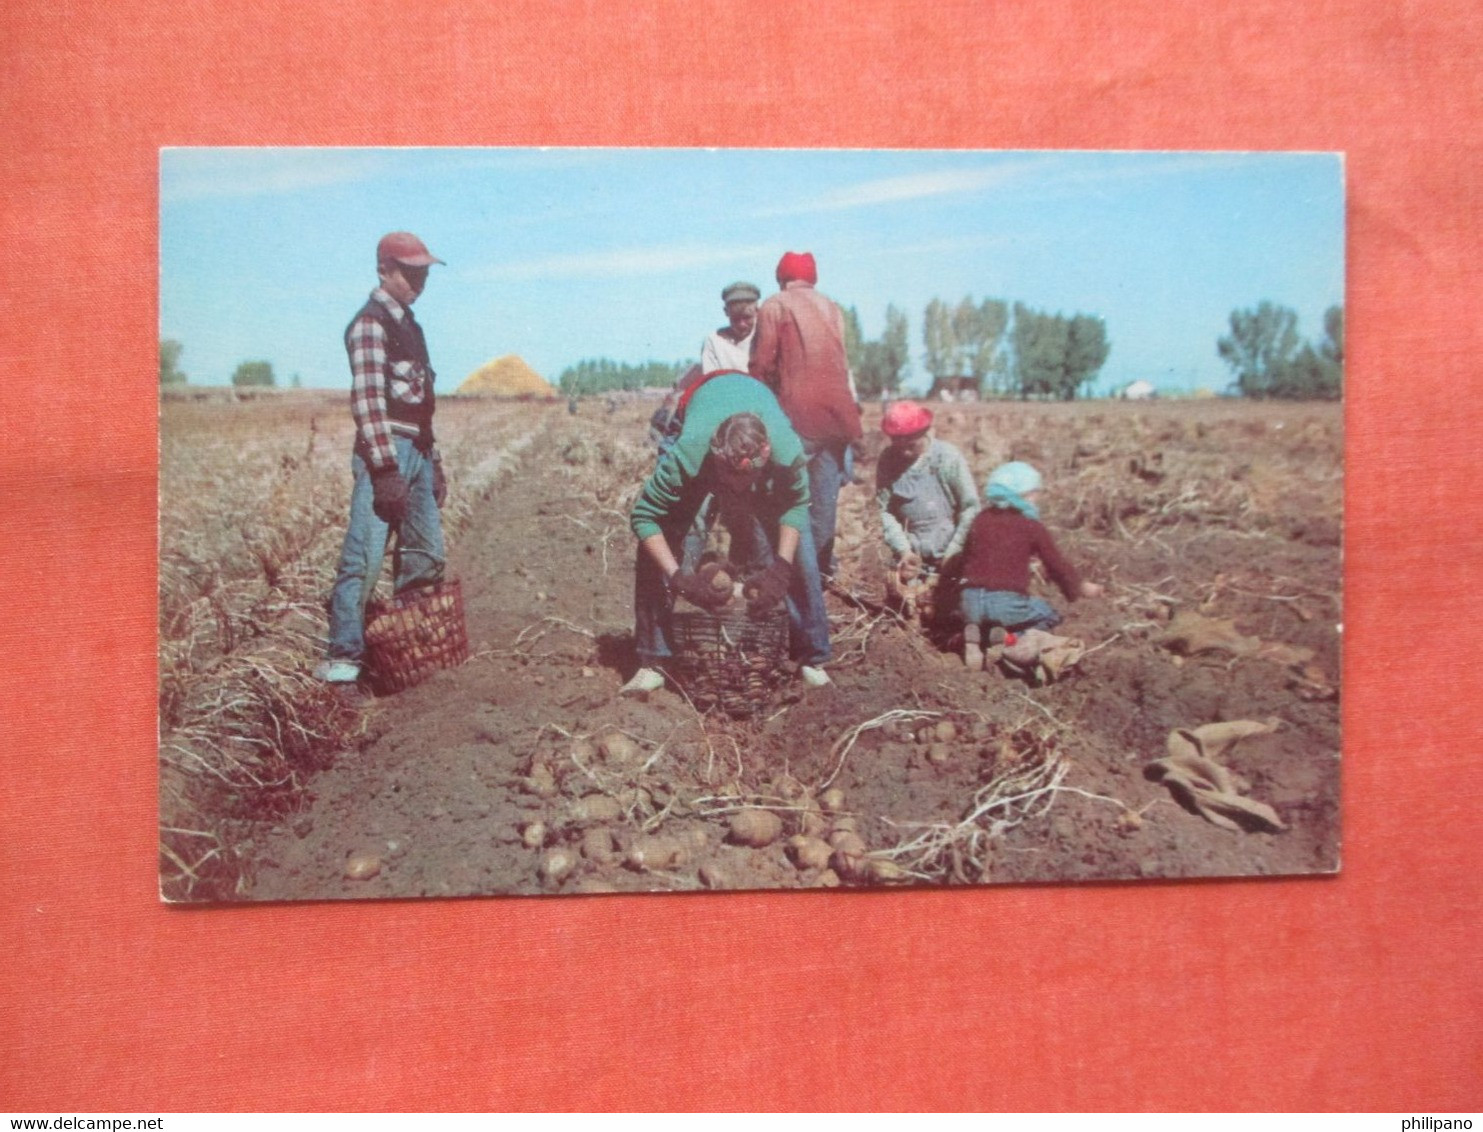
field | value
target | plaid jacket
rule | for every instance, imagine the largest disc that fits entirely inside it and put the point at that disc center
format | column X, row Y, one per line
column 391, row 390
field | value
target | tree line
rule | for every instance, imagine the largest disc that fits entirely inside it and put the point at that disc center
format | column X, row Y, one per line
column 1270, row 360
column 602, row 375
column 990, row 347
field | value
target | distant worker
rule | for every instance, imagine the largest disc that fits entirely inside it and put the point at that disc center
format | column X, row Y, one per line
column 735, row 444
column 1003, row 539
column 398, row 475
column 798, row 350
column 731, row 346
column 927, row 503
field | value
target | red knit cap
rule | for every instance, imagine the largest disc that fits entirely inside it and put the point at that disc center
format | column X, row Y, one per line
column 905, row 418
column 796, row 266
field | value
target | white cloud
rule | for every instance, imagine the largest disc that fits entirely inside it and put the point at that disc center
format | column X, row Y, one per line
column 618, row 263
column 912, row 186
column 199, row 174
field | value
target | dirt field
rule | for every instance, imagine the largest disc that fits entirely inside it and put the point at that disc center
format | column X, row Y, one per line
column 1215, row 526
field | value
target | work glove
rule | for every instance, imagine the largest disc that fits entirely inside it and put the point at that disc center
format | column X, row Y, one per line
column 440, row 484
column 766, row 589
column 697, row 591
column 389, row 495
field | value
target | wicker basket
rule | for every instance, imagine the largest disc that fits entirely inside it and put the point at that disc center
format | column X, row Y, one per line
column 415, row 634
column 729, row 661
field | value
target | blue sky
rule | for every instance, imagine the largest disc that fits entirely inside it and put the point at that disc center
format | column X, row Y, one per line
column 563, row 254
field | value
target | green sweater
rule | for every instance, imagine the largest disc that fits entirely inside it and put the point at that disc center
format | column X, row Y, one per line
column 674, row 492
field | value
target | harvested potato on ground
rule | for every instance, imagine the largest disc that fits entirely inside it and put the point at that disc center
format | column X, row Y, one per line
column 756, row 828
column 596, row 808
column 533, row 836
column 845, row 823
column 618, row 748
column 849, row 864
column 946, row 731
column 882, row 871
column 808, row 852
column 832, row 800
column 651, row 853
column 598, row 845
column 713, row 876
column 556, row 866
column 847, row 839
column 362, row 866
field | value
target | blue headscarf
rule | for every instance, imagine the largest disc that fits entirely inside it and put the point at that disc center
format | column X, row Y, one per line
column 1008, row 484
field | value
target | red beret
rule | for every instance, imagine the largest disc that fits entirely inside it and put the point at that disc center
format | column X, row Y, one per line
column 797, row 265
column 905, row 418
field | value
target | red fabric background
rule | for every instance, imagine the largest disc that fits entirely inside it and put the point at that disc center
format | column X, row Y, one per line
column 1356, row 992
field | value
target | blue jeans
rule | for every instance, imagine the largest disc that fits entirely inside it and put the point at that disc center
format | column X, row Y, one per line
column 751, row 549
column 830, row 464
column 1005, row 607
column 419, row 554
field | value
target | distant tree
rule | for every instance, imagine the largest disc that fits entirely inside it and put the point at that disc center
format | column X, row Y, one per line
column 897, row 352
column 1055, row 356
column 296, row 382
column 170, row 373
column 854, row 340
column 1086, row 351
column 1262, row 344
column 259, row 374
column 938, row 338
column 1332, row 347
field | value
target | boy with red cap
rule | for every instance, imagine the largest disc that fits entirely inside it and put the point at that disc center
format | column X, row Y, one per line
column 398, row 476
column 927, row 498
column 798, row 351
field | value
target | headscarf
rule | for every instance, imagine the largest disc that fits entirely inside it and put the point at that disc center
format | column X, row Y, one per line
column 1008, row 484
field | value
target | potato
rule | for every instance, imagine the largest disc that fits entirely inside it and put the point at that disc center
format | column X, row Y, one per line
column 832, row 800
column 947, row 731
column 618, row 748
column 533, row 836
column 756, row 828
column 598, row 845
column 812, row 822
column 808, row 852
column 596, row 808
column 882, row 871
column 939, row 753
column 849, row 864
column 556, row 866
column 847, row 839
column 583, row 751
column 845, row 823
column 713, row 876
column 540, row 782
column 651, row 853
column 362, row 866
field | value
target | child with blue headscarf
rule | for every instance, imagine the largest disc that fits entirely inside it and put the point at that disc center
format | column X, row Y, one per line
column 1004, row 537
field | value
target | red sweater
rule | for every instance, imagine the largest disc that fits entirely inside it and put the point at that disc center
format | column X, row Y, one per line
column 1001, row 543
column 798, row 350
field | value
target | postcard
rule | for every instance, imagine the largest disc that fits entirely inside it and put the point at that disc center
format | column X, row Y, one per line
column 578, row 521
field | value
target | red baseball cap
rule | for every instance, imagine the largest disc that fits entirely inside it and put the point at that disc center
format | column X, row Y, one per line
column 905, row 418
column 403, row 247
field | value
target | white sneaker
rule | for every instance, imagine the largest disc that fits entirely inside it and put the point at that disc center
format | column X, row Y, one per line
column 814, row 677
column 337, row 671
column 644, row 680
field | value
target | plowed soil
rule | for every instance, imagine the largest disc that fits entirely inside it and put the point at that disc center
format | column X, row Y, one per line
column 523, row 771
